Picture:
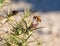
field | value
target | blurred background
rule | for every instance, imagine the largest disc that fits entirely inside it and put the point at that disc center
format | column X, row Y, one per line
column 42, row 5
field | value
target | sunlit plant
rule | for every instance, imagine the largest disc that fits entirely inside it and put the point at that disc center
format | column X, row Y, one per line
column 4, row 3
column 1, row 3
column 22, row 31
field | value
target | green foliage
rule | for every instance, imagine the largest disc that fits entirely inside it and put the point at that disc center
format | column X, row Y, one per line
column 21, row 32
column 26, row 13
column 1, row 3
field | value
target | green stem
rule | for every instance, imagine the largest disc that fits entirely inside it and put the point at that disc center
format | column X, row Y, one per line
column 29, row 36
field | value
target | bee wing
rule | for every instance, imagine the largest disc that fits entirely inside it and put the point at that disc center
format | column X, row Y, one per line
column 38, row 18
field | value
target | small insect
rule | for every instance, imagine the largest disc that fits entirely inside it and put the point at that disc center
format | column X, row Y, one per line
column 13, row 13
column 37, row 18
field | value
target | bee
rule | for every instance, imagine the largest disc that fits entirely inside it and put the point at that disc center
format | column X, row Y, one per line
column 37, row 18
